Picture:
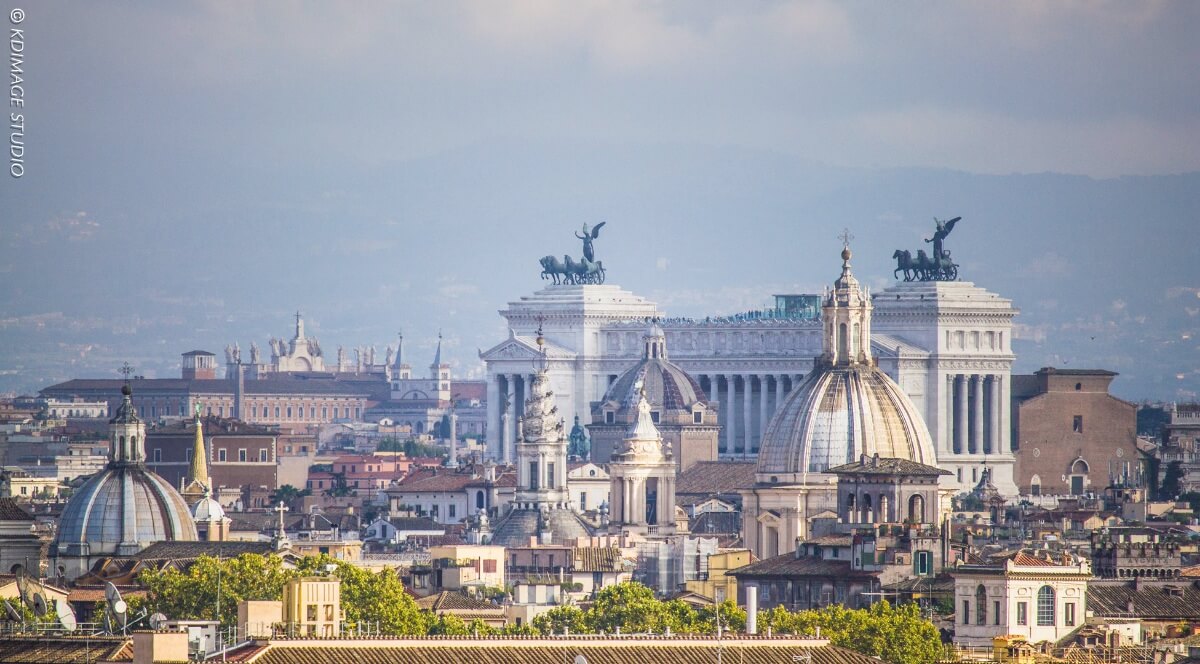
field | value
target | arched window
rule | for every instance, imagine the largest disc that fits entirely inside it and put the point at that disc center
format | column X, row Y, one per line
column 1045, row 607
column 843, row 342
column 867, row 508
column 916, row 508
column 981, row 605
column 479, row 500
column 854, row 349
column 1035, row 486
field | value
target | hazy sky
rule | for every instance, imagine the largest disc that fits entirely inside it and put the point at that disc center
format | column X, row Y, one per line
column 197, row 171
column 1090, row 87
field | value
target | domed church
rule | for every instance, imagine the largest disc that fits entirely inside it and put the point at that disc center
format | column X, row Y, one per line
column 679, row 409
column 845, row 409
column 123, row 508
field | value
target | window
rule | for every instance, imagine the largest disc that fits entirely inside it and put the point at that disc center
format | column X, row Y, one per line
column 550, row 475
column 654, row 416
column 1069, row 614
column 966, row 612
column 189, row 456
column 242, row 455
column 157, row 455
column 610, row 417
column 583, row 500
column 221, row 454
column 311, row 612
column 923, row 563
column 698, row 417
column 262, row 455
column 995, row 613
column 1077, row 424
column 312, row 412
column 489, row 566
column 1045, row 607
column 980, row 605
column 276, row 412
column 452, row 511
column 324, row 412
column 254, row 412
column 289, row 412
column 1022, row 613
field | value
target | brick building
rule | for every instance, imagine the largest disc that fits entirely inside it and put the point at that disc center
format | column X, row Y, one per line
column 1070, row 436
column 242, row 458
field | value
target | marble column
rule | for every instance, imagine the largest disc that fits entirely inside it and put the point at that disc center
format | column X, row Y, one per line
column 747, row 414
column 714, row 394
column 731, row 414
column 977, row 420
column 998, row 445
column 493, row 418
column 960, row 420
column 514, row 416
column 778, row 393
column 762, row 410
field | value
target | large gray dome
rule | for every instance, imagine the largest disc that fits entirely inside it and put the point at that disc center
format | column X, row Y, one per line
column 848, row 406
column 123, row 508
column 838, row 414
column 120, row 511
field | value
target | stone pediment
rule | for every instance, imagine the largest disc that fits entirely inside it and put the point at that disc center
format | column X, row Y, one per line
column 524, row 348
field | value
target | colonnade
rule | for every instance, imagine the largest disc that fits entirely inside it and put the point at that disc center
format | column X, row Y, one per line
column 976, row 405
column 747, row 403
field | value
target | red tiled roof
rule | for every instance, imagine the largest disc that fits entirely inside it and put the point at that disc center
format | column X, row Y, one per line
column 1022, row 558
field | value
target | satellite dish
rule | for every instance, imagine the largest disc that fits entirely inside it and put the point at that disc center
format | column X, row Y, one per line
column 580, row 659
column 12, row 613
column 158, row 620
column 23, row 589
column 116, row 605
column 40, row 608
column 66, row 615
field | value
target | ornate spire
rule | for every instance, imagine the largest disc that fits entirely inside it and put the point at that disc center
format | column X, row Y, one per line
column 399, row 350
column 198, row 472
column 126, row 429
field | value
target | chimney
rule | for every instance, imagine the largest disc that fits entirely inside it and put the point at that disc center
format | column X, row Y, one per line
column 156, row 647
column 752, row 610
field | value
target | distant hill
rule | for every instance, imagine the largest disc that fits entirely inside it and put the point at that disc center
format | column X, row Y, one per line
column 107, row 268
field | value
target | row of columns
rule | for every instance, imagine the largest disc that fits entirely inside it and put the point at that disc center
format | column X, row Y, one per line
column 747, row 403
column 976, row 406
column 630, row 496
column 507, row 395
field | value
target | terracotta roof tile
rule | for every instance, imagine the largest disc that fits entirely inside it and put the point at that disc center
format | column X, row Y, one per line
column 708, row 478
column 556, row 651
column 596, row 559
column 788, row 565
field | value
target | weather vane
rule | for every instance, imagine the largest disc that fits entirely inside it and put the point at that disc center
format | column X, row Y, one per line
column 846, row 237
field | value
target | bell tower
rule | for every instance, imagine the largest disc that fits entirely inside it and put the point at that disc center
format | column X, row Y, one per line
column 846, row 314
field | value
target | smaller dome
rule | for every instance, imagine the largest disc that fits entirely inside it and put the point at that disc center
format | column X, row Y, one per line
column 207, row 510
column 666, row 386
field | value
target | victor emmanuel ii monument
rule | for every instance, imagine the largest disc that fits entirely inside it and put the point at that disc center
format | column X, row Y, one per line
column 945, row 342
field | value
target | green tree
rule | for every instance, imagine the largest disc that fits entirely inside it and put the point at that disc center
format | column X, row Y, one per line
column 1170, row 484
column 898, row 635
column 560, row 620
column 193, row 594
column 376, row 600
column 288, row 495
column 448, row 625
column 733, row 618
column 633, row 608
